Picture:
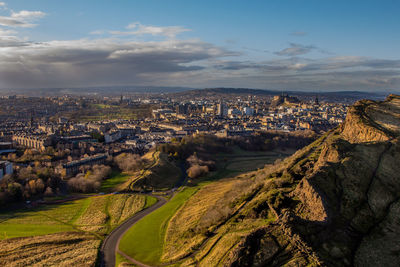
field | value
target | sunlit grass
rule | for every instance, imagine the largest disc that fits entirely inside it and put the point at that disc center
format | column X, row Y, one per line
column 99, row 214
column 115, row 179
column 144, row 241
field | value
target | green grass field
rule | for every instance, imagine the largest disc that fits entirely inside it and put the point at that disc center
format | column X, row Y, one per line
column 144, row 241
column 98, row 214
column 115, row 179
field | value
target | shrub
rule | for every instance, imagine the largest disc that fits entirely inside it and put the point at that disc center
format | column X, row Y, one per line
column 197, row 171
column 129, row 162
column 91, row 181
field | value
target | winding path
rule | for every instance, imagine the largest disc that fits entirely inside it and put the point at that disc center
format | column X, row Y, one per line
column 110, row 244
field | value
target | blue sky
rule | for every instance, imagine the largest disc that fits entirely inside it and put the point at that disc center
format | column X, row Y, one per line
column 297, row 45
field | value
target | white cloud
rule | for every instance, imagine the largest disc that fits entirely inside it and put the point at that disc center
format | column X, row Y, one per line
column 140, row 29
column 22, row 19
column 11, row 22
column 28, row 15
column 4, row 32
column 2, row 4
column 97, row 32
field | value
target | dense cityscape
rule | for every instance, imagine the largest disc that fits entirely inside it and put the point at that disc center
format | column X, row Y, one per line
column 42, row 124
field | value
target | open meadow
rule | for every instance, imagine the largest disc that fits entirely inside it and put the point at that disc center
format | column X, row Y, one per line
column 71, row 228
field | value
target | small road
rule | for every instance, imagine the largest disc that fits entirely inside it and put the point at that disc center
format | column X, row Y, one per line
column 110, row 244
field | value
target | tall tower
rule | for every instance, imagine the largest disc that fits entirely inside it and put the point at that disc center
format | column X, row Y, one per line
column 220, row 109
column 316, row 101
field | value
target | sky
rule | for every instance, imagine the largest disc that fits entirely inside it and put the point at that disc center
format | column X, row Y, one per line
column 310, row 45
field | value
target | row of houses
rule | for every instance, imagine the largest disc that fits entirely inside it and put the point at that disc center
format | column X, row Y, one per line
column 74, row 167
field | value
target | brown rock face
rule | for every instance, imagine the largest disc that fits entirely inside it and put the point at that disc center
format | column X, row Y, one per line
column 357, row 180
column 369, row 121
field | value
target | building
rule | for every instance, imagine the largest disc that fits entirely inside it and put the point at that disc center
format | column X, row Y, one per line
column 182, row 109
column 39, row 142
column 6, row 167
column 73, row 167
column 6, row 147
column 222, row 111
column 248, row 111
column 234, row 112
column 112, row 137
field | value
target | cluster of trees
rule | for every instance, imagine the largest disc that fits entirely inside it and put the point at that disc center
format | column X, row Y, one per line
column 31, row 155
column 207, row 145
column 130, row 162
column 30, row 182
column 198, row 167
column 36, row 181
column 204, row 145
column 90, row 181
column 269, row 140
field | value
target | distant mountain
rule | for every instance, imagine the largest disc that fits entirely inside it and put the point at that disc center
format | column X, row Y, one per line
column 179, row 91
column 101, row 90
column 351, row 95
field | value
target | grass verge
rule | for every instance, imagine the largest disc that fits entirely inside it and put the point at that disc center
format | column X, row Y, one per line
column 144, row 241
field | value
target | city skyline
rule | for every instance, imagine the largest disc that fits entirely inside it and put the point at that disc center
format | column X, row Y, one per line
column 291, row 45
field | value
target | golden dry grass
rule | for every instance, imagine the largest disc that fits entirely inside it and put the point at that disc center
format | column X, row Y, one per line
column 61, row 249
column 122, row 207
column 182, row 235
column 95, row 213
column 222, row 247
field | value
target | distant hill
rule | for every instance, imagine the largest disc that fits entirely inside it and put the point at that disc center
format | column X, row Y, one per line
column 101, row 90
column 349, row 95
column 179, row 91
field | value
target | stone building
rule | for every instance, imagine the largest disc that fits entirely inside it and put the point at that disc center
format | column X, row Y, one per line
column 39, row 142
column 71, row 168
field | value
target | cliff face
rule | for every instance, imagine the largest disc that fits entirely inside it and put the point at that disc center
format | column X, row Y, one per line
column 341, row 204
column 358, row 180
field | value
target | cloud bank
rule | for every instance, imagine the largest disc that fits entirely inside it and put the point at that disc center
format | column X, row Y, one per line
column 161, row 57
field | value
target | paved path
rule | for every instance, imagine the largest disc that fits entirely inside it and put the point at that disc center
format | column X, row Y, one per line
column 111, row 242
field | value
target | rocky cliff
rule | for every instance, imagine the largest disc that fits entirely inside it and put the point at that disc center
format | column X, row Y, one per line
column 333, row 203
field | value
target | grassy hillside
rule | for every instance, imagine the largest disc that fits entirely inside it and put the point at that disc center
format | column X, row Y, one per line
column 115, row 180
column 186, row 221
column 72, row 229
column 160, row 172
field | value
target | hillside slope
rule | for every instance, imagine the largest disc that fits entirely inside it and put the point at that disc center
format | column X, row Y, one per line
column 334, row 203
